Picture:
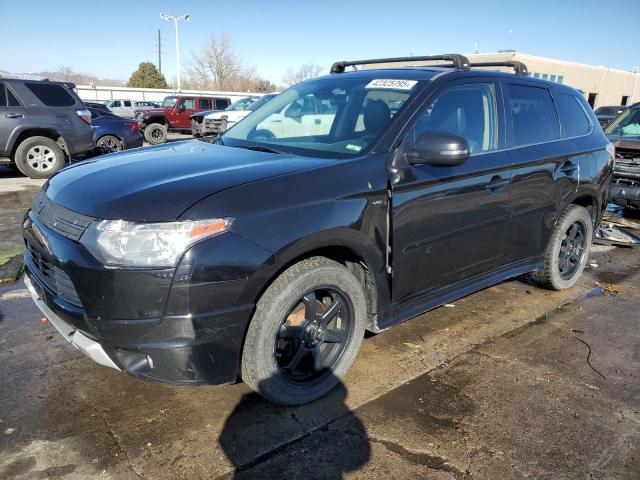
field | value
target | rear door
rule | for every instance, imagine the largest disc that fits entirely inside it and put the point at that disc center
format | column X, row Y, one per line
column 545, row 170
column 448, row 223
column 12, row 115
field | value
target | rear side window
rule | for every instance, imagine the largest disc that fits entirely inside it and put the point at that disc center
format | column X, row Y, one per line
column 221, row 104
column 574, row 120
column 7, row 98
column 204, row 104
column 51, row 95
column 534, row 117
column 127, row 103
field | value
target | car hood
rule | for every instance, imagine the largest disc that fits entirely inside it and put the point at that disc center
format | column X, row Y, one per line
column 159, row 183
column 233, row 115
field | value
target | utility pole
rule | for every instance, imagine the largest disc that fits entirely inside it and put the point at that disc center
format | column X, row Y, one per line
column 159, row 52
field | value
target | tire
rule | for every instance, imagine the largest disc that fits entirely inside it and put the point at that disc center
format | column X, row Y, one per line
column 267, row 369
column 155, row 133
column 109, row 144
column 556, row 274
column 39, row 157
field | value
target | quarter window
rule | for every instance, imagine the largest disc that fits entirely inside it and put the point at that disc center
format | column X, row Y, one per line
column 51, row 95
column 533, row 115
column 574, row 120
column 468, row 111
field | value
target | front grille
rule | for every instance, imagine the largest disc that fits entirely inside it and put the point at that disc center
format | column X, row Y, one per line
column 55, row 279
column 61, row 220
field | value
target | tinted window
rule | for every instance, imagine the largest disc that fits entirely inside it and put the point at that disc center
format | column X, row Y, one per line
column 221, row 104
column 534, row 117
column 574, row 120
column 7, row 98
column 127, row 103
column 51, row 95
column 204, row 104
column 468, row 111
column 115, row 104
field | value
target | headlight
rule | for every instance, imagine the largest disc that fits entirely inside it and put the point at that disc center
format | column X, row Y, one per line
column 129, row 244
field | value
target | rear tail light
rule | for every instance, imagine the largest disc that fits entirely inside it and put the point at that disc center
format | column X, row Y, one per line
column 135, row 126
column 84, row 115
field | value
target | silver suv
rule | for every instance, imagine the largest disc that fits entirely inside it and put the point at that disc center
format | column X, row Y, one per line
column 42, row 124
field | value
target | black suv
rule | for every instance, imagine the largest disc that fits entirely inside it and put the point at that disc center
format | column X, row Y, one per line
column 42, row 124
column 624, row 132
column 266, row 256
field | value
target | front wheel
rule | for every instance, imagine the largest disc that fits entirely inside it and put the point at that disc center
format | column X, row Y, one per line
column 305, row 333
column 568, row 249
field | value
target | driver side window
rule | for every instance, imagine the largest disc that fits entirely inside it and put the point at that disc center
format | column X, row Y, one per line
column 468, row 111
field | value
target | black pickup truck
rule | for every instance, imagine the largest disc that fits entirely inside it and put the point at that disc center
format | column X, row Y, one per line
column 624, row 133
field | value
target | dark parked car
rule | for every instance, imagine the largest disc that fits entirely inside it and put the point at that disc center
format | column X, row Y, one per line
column 606, row 114
column 112, row 133
column 42, row 124
column 267, row 257
column 624, row 132
column 98, row 106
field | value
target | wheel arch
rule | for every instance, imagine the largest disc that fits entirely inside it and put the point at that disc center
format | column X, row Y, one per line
column 161, row 119
column 52, row 133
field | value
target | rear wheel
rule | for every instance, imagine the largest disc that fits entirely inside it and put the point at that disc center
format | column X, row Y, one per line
column 567, row 251
column 155, row 133
column 305, row 333
column 109, row 144
column 39, row 157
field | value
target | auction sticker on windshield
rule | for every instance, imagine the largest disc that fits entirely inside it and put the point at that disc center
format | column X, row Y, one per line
column 392, row 84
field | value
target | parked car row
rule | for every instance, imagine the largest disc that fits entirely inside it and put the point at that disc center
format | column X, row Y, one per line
column 607, row 113
column 204, row 124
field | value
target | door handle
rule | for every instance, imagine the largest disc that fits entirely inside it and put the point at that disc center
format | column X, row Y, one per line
column 14, row 115
column 568, row 168
column 496, row 183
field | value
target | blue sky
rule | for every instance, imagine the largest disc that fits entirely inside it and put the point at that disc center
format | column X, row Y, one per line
column 109, row 39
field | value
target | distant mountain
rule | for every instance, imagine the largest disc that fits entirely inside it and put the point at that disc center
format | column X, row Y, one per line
column 64, row 75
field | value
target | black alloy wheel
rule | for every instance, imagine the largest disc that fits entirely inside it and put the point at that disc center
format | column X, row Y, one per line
column 572, row 249
column 314, row 335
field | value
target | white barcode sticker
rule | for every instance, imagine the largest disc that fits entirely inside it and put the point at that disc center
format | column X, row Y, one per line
column 392, row 84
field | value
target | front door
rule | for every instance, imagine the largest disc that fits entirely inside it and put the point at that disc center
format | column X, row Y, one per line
column 185, row 110
column 448, row 223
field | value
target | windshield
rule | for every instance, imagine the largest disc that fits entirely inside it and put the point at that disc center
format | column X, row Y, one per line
column 242, row 104
column 609, row 110
column 169, row 102
column 627, row 124
column 336, row 116
column 258, row 103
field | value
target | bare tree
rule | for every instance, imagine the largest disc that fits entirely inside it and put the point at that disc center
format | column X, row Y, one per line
column 304, row 72
column 217, row 67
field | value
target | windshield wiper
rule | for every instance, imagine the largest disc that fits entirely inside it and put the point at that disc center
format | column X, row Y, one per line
column 260, row 148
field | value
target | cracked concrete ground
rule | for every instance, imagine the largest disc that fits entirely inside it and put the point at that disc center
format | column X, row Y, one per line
column 497, row 386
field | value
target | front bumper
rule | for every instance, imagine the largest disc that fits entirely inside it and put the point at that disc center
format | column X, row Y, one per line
column 181, row 326
column 624, row 194
column 86, row 345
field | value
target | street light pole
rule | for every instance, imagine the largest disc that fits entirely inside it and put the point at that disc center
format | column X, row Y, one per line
column 175, row 20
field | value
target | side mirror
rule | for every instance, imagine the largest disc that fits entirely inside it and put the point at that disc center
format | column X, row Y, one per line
column 439, row 149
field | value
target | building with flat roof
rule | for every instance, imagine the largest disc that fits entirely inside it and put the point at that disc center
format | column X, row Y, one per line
column 599, row 84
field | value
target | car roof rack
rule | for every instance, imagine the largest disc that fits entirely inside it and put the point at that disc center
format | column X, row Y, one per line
column 519, row 67
column 459, row 62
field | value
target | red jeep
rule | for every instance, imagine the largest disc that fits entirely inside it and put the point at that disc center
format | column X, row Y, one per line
column 173, row 115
